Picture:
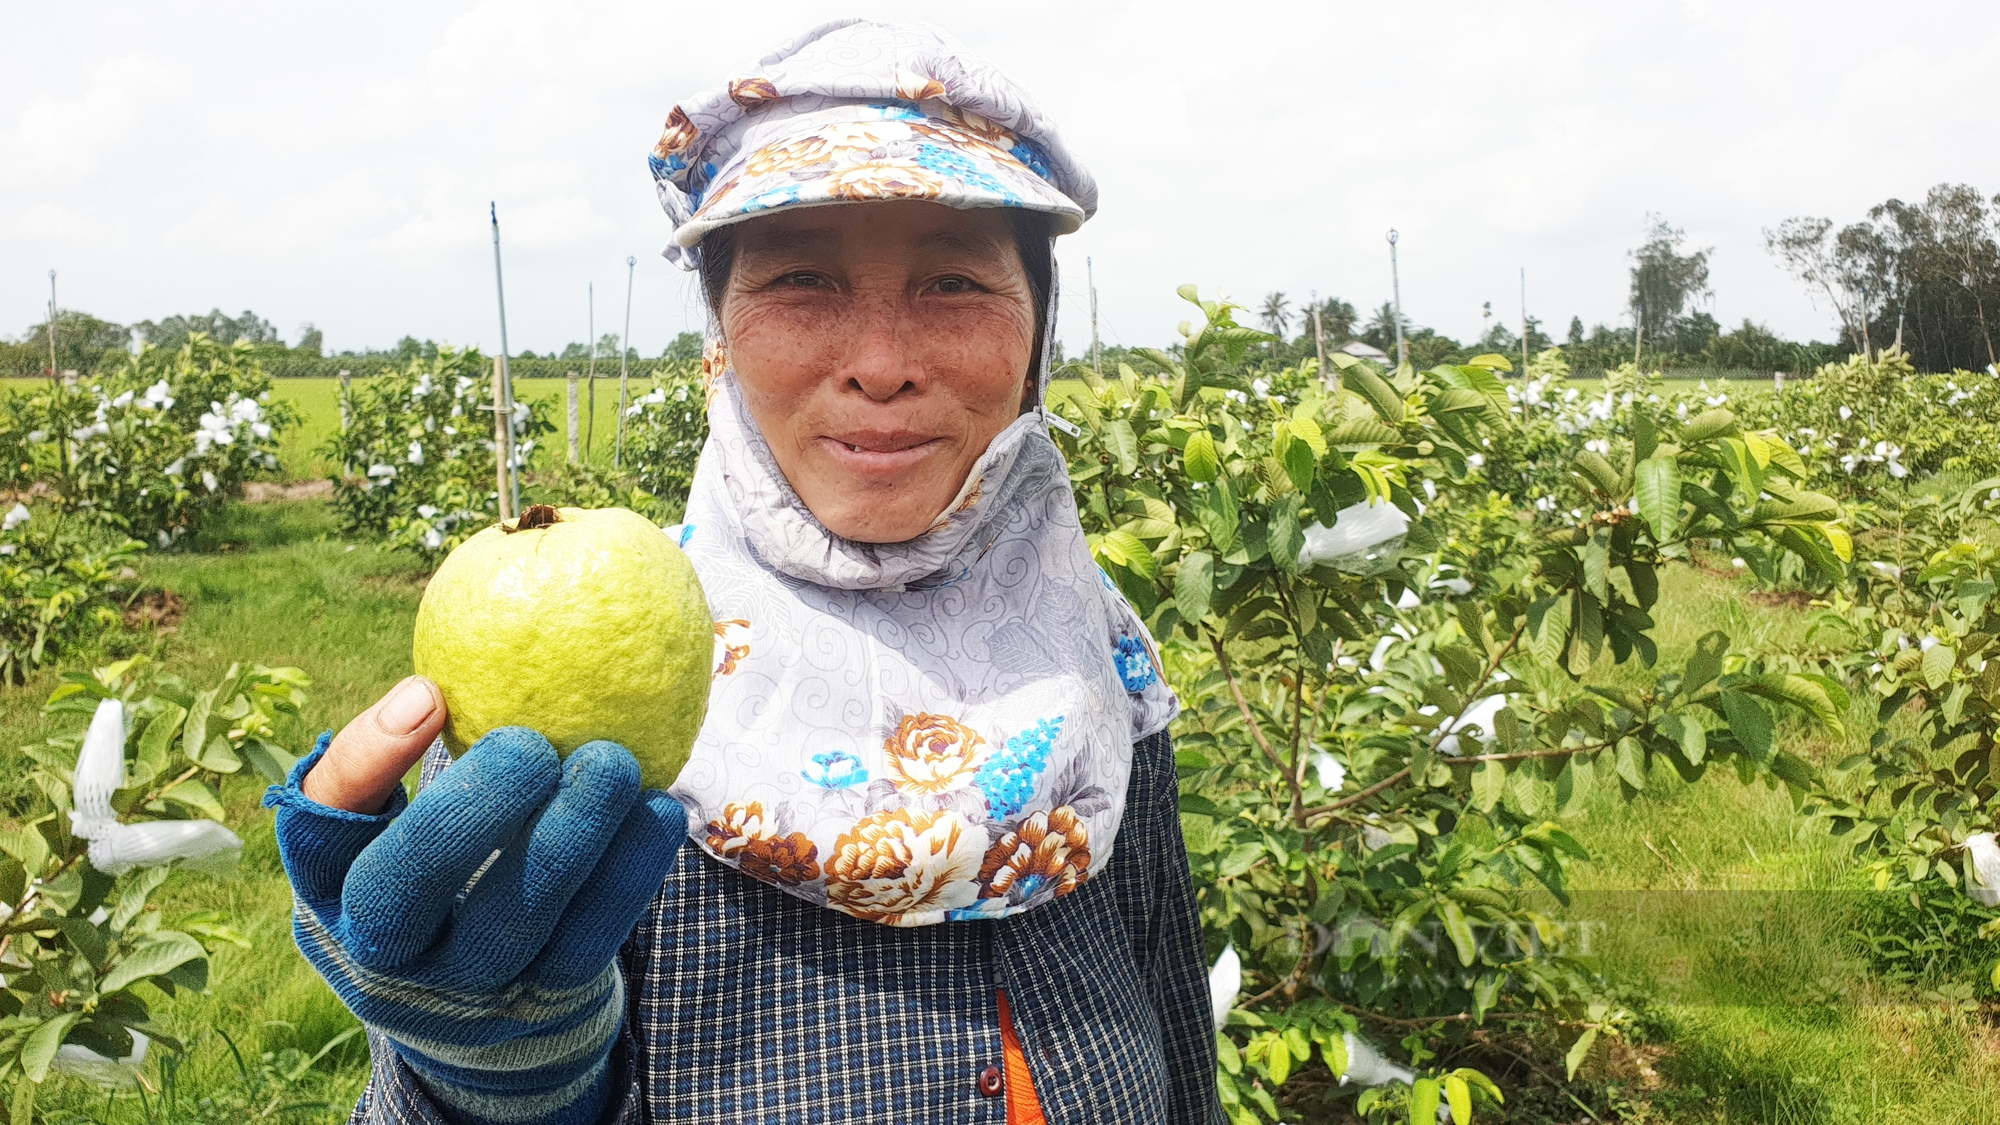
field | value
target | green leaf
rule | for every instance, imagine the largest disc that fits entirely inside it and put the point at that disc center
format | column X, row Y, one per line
column 1480, row 1082
column 1199, row 457
column 1377, row 393
column 196, row 797
column 1361, row 431
column 272, row 762
column 1457, row 400
column 1219, row 517
column 1939, row 660
column 1227, row 1054
column 1424, row 1101
column 1707, row 426
column 1706, row 663
column 1460, row 931
column 1750, row 723
column 1123, row 444
column 1808, row 506
column 1742, row 466
column 1688, row 735
column 1656, row 490
column 28, row 847
column 194, row 735
column 1579, row 1051
column 1300, row 464
column 162, row 953
column 1458, row 1096
column 1548, row 628
column 1645, row 436
column 13, row 880
column 1489, row 783
column 1631, row 759
column 1592, row 466
column 1333, row 1046
column 1194, row 585
column 21, row 1107
column 40, row 1048
column 1278, row 1064
column 219, row 756
column 156, row 745
column 1597, row 565
column 1807, row 693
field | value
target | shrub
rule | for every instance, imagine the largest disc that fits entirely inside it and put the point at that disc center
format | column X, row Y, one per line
column 665, row 429
column 1379, row 658
column 115, row 806
column 152, row 447
column 418, row 452
column 59, row 581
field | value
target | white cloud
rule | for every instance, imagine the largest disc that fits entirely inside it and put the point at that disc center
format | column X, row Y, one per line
column 335, row 165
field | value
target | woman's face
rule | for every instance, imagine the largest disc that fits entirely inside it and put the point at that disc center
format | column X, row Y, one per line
column 880, row 348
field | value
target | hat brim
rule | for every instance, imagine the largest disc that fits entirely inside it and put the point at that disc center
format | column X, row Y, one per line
column 883, row 152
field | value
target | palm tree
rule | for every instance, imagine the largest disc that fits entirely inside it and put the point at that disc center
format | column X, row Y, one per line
column 1277, row 314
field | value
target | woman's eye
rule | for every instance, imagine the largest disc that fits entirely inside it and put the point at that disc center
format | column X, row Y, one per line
column 955, row 285
column 802, row 281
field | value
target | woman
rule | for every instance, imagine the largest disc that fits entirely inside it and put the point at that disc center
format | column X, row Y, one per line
column 925, row 863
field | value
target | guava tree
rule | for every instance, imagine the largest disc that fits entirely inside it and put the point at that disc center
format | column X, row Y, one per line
column 1382, row 661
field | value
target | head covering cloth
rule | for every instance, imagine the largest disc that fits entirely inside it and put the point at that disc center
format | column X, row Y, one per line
column 920, row 732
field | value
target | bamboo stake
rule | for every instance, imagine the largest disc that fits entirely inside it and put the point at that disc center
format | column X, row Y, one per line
column 503, row 442
column 590, row 432
column 503, row 396
column 624, row 349
column 574, row 451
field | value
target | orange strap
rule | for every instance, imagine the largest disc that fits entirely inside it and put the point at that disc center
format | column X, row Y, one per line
column 1022, row 1106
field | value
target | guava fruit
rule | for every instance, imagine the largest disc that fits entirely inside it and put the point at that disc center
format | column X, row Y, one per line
column 578, row 623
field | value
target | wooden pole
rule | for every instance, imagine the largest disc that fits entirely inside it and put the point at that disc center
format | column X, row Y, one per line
column 1096, row 357
column 590, row 431
column 1319, row 342
column 574, row 436
column 503, row 442
column 52, row 325
column 1524, row 319
column 624, row 349
column 503, row 395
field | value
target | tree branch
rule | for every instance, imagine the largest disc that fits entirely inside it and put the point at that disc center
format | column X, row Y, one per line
column 1243, row 705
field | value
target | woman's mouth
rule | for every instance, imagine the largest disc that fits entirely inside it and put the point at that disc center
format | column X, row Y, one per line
column 880, row 453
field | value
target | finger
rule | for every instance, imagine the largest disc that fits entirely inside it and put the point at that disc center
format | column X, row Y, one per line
column 510, row 913
column 404, row 885
column 617, row 893
column 370, row 755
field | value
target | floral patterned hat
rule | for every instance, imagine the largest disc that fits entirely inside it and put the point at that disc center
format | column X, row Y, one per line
column 855, row 110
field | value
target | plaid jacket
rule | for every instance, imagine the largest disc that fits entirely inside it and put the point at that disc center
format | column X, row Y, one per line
column 748, row 1005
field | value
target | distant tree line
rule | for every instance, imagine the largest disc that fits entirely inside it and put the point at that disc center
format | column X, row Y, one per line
column 1924, row 275
column 84, row 343
column 1668, row 285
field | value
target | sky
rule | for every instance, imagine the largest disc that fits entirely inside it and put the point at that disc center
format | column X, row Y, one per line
column 333, row 164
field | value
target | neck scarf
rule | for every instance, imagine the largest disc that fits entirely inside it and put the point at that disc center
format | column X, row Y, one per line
column 921, row 732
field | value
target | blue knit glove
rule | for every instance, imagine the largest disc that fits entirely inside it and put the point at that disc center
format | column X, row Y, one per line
column 504, row 998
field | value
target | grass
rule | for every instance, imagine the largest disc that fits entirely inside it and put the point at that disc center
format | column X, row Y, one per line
column 1708, row 901
column 1718, row 910
column 318, row 401
column 277, row 587
column 1728, row 916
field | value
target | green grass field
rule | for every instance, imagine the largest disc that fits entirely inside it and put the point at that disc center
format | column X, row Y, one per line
column 318, row 401
column 1718, row 914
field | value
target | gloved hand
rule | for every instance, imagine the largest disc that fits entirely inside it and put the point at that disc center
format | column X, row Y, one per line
column 505, row 999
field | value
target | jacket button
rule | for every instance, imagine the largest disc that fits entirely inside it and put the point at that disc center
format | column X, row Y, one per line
column 991, row 1082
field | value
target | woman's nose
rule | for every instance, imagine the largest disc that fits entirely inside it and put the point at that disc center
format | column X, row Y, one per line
column 881, row 360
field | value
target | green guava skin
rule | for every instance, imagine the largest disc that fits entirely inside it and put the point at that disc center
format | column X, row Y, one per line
column 594, row 627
